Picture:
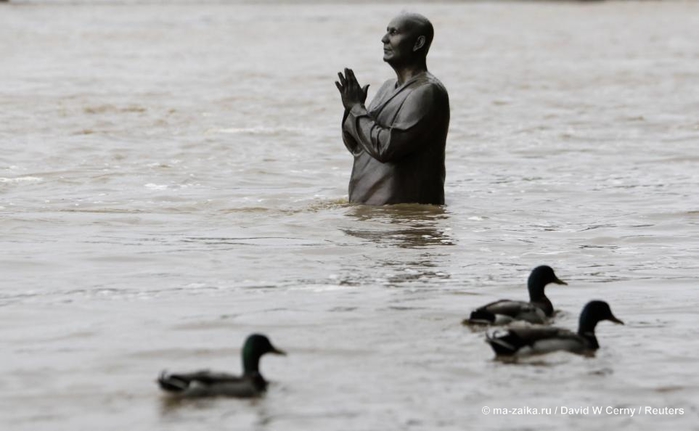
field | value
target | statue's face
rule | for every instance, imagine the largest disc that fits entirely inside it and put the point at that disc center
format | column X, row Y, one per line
column 399, row 40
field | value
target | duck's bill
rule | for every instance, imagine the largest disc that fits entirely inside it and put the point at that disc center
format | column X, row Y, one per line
column 559, row 281
column 615, row 320
column 278, row 352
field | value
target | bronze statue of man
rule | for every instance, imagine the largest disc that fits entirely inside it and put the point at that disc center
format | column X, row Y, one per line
column 398, row 142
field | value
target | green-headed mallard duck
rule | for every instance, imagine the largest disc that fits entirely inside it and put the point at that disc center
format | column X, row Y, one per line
column 536, row 339
column 504, row 311
column 208, row 383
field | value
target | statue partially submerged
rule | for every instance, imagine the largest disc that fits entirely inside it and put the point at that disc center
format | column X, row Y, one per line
column 398, row 142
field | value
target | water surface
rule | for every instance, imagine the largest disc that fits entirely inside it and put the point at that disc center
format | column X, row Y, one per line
column 172, row 178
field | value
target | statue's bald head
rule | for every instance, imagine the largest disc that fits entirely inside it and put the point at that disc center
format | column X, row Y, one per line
column 407, row 40
column 419, row 26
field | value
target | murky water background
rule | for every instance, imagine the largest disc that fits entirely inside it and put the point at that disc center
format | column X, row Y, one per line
column 172, row 178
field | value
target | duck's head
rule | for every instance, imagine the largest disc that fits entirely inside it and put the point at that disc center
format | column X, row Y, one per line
column 255, row 346
column 539, row 278
column 595, row 312
column 258, row 345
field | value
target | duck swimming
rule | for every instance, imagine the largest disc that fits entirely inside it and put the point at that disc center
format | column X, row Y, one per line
column 505, row 311
column 536, row 339
column 208, row 383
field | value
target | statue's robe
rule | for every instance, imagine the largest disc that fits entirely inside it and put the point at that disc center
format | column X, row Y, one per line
column 398, row 143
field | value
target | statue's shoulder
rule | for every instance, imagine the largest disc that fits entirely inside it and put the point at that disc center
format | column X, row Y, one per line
column 428, row 87
column 433, row 83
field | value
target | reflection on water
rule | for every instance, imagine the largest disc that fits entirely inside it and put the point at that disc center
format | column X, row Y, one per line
column 404, row 226
column 169, row 405
column 213, row 410
column 416, row 232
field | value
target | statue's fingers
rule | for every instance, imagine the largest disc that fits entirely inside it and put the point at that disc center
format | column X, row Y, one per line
column 339, row 87
column 343, row 81
column 348, row 80
column 351, row 76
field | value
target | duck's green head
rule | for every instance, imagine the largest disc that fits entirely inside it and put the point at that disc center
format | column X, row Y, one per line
column 255, row 346
column 540, row 277
column 594, row 312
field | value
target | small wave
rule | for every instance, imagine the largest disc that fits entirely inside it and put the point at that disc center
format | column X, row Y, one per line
column 152, row 186
column 21, row 179
column 259, row 130
column 103, row 109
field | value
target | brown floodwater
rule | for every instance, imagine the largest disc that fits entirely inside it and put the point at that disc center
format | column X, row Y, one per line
column 172, row 179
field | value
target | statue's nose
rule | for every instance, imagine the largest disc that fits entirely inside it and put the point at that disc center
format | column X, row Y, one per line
column 384, row 39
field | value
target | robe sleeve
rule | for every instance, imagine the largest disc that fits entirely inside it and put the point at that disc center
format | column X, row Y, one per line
column 408, row 132
column 347, row 138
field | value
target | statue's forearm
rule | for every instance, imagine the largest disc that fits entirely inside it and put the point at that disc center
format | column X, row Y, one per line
column 382, row 143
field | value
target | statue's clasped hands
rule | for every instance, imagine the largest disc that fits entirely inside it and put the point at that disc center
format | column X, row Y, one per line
column 350, row 90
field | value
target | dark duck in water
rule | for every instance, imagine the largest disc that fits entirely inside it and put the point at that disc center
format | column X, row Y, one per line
column 535, row 339
column 209, row 383
column 504, row 311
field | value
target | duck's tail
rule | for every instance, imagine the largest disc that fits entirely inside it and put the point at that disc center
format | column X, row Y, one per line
column 503, row 344
column 172, row 383
column 480, row 316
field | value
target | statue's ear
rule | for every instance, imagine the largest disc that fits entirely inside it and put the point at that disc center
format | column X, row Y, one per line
column 419, row 43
